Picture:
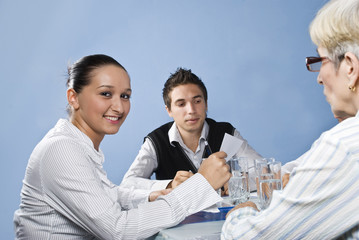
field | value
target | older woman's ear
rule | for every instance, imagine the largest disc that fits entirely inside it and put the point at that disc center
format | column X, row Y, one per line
column 352, row 63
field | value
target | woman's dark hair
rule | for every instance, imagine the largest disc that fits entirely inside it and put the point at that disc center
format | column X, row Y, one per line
column 79, row 73
column 181, row 77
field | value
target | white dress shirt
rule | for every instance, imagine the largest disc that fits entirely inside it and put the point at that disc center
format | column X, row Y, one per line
column 138, row 176
column 320, row 200
column 67, row 195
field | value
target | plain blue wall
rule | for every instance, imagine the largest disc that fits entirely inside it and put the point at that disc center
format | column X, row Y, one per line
column 249, row 53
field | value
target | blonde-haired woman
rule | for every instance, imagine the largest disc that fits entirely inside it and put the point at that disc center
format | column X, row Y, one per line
column 321, row 198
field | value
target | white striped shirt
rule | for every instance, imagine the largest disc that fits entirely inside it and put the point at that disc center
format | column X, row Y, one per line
column 321, row 200
column 66, row 195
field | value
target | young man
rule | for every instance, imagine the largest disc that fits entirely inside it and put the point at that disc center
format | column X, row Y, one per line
column 175, row 150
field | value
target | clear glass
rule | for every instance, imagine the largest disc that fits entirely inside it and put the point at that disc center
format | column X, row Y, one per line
column 238, row 187
column 268, row 179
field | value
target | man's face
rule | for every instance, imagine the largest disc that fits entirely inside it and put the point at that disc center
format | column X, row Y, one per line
column 188, row 108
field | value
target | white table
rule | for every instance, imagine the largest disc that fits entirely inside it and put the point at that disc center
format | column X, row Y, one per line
column 202, row 225
column 202, row 230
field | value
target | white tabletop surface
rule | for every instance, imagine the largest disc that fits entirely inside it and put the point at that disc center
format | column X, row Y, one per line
column 209, row 230
column 202, row 230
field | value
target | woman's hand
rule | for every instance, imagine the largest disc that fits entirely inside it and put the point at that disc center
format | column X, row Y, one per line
column 215, row 170
column 243, row 205
column 285, row 180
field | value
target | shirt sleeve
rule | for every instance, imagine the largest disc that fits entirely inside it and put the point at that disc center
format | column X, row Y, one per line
column 139, row 174
column 290, row 166
column 73, row 188
column 247, row 151
column 319, row 200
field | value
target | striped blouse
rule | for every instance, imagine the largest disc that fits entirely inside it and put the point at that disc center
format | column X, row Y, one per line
column 321, row 200
column 67, row 195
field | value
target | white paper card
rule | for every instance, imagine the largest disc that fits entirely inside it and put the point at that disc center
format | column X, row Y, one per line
column 230, row 145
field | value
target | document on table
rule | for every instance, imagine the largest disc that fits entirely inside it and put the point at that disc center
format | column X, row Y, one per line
column 230, row 145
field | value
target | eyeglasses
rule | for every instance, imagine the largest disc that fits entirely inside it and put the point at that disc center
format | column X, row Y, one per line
column 314, row 63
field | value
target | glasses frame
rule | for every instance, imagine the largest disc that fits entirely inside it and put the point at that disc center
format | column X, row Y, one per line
column 312, row 60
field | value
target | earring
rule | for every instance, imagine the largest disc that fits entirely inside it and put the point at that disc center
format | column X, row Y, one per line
column 352, row 88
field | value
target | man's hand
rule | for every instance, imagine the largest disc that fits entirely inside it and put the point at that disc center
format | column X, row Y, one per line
column 215, row 170
column 285, row 180
column 180, row 177
column 243, row 205
column 155, row 194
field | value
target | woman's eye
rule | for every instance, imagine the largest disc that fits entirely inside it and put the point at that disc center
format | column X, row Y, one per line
column 106, row 94
column 125, row 96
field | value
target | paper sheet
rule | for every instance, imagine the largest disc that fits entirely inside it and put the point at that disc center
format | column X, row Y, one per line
column 230, row 145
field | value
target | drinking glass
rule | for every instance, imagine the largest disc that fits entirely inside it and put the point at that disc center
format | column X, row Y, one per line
column 238, row 188
column 268, row 179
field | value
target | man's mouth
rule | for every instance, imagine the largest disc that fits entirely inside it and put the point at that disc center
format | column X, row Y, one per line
column 192, row 120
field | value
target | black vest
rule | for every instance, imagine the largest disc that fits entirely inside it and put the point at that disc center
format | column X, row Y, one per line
column 173, row 158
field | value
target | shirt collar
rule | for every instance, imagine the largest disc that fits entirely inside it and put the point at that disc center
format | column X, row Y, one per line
column 175, row 136
column 64, row 126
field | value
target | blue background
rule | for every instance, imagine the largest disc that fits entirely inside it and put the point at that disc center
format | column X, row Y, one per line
column 249, row 53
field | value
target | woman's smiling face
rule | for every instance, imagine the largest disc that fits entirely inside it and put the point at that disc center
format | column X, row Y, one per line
column 103, row 105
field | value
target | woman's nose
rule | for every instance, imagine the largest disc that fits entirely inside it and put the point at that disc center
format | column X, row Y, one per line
column 117, row 105
column 319, row 79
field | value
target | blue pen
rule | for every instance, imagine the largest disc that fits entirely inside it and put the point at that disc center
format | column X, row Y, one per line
column 207, row 148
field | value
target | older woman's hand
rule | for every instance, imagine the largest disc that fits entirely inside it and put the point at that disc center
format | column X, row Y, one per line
column 285, row 180
column 243, row 205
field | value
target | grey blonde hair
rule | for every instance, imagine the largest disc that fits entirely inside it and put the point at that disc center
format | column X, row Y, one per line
column 336, row 28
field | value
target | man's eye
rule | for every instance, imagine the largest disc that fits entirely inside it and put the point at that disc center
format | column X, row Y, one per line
column 125, row 96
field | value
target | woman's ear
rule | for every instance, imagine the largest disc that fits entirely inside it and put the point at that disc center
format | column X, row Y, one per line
column 72, row 98
column 352, row 63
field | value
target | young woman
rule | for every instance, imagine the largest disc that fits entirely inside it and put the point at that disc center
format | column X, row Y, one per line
column 66, row 193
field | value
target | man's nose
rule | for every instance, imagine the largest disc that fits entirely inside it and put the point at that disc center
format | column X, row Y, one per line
column 191, row 107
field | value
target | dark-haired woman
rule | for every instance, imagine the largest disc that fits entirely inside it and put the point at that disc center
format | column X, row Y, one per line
column 66, row 193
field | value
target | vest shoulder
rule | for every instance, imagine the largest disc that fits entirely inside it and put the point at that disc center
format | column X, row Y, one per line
column 160, row 134
column 162, row 129
column 212, row 122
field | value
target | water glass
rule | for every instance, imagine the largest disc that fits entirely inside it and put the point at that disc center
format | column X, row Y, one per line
column 257, row 167
column 238, row 188
column 268, row 179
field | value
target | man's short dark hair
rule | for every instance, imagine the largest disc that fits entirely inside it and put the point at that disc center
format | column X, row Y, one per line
column 181, row 77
